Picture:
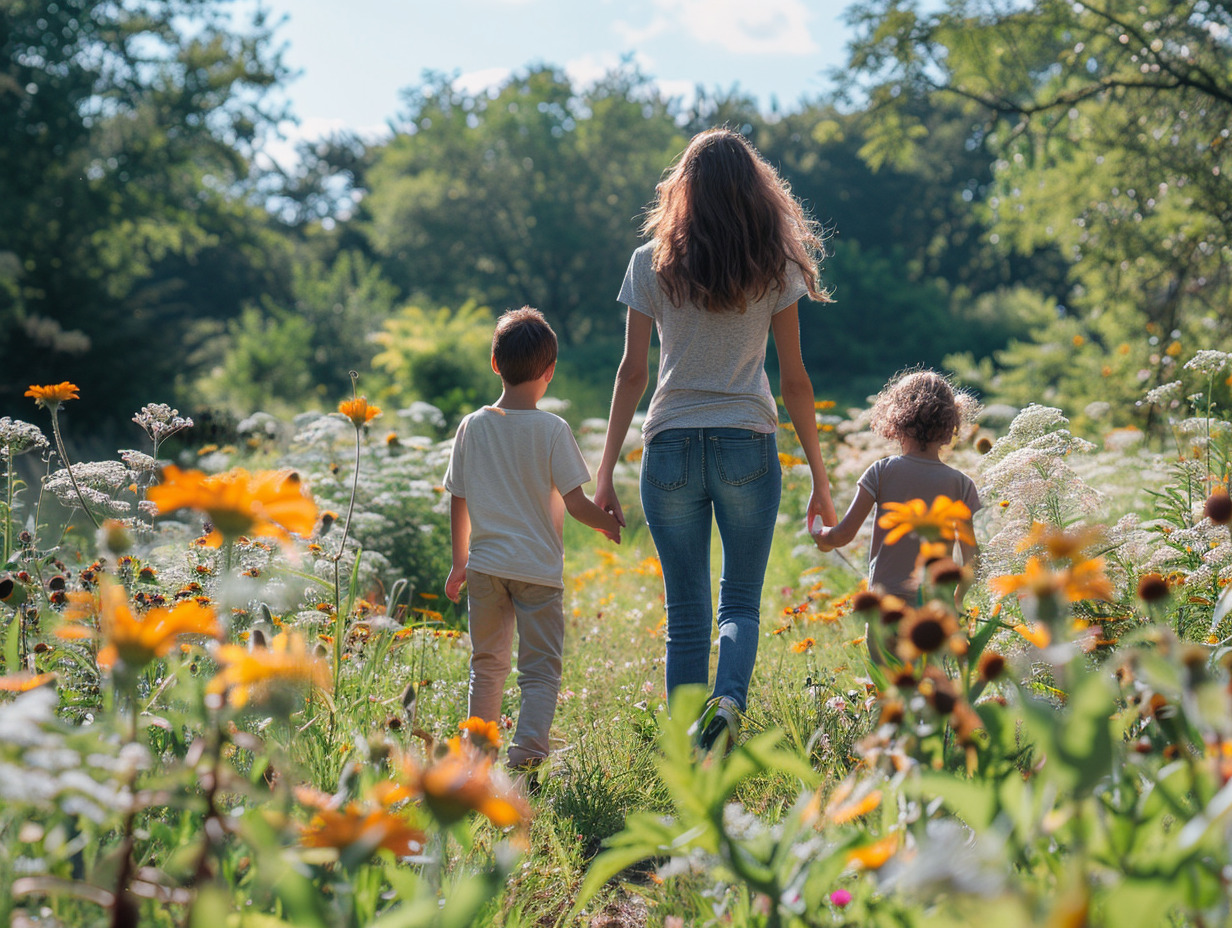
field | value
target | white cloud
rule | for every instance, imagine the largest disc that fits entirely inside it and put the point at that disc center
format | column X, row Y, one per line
column 587, row 69
column 768, row 27
column 474, row 82
column 282, row 150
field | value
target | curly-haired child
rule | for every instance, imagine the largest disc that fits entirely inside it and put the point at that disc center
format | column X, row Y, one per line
column 922, row 411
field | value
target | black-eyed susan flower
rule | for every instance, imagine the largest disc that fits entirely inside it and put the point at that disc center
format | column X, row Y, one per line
column 251, row 676
column 369, row 825
column 462, row 780
column 944, row 518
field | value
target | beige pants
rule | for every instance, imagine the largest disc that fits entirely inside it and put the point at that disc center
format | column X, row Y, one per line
column 496, row 605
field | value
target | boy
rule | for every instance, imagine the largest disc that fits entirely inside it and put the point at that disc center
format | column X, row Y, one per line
column 513, row 472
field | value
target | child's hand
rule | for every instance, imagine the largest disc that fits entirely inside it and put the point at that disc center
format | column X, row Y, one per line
column 822, row 539
column 612, row 534
column 454, row 583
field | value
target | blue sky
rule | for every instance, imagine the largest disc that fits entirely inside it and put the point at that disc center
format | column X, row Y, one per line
column 354, row 59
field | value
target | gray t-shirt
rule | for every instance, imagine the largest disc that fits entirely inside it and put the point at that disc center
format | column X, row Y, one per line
column 900, row 479
column 712, row 366
column 513, row 466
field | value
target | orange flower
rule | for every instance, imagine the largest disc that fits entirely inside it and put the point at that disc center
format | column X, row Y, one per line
column 137, row 641
column 874, row 856
column 53, row 395
column 370, row 825
column 1083, row 580
column 1038, row 635
column 804, row 645
column 266, row 503
column 790, row 460
column 358, row 411
column 842, row 808
column 462, row 780
column 252, row 676
column 23, row 681
column 480, row 733
column 945, row 518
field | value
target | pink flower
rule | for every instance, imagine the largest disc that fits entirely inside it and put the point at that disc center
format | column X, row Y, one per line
column 840, row 898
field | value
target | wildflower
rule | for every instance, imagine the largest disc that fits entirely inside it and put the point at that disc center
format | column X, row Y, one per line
column 23, row 681
column 893, row 609
column 51, row 396
column 481, row 733
column 370, row 825
column 927, row 629
column 1038, row 635
column 268, row 503
column 358, row 411
column 824, row 404
column 804, row 645
column 1218, row 507
column 983, row 444
column 1152, row 588
column 17, row 437
column 1164, row 393
column 848, row 804
column 865, row 601
column 840, row 898
column 991, row 666
column 945, row 518
column 874, row 856
column 1083, row 580
column 160, row 421
column 462, row 780
column 790, row 460
column 128, row 638
column 252, row 676
column 1078, row 341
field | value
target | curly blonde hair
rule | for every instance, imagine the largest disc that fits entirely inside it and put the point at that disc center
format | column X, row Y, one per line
column 923, row 406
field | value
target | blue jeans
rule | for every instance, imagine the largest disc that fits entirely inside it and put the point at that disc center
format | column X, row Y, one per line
column 688, row 475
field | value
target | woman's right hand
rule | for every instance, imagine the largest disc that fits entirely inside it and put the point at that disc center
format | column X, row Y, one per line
column 606, row 498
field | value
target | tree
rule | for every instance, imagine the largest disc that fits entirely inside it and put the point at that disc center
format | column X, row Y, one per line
column 1110, row 122
column 126, row 136
column 528, row 194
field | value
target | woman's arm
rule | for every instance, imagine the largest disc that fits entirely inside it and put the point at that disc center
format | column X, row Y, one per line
column 631, row 379
column 838, row 536
column 798, row 398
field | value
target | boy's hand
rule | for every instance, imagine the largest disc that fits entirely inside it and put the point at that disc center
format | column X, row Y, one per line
column 822, row 539
column 612, row 534
column 454, row 583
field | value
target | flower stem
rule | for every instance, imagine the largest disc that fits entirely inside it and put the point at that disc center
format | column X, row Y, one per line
column 55, row 430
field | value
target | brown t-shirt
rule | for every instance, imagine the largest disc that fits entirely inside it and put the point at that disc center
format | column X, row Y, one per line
column 900, row 479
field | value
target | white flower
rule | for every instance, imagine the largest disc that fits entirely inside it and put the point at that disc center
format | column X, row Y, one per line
column 160, row 421
column 1097, row 409
column 1208, row 362
column 1164, row 393
column 18, row 437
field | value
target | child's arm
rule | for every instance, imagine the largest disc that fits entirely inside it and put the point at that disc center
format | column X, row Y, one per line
column 838, row 536
column 798, row 399
column 460, row 538
column 586, row 512
column 970, row 557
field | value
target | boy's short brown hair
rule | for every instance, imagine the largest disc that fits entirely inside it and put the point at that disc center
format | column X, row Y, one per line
column 523, row 345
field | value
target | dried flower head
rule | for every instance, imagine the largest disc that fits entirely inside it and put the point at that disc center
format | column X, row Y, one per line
column 1152, row 588
column 17, row 437
column 1218, row 507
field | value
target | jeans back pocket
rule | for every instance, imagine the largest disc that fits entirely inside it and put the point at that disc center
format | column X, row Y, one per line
column 665, row 463
column 741, row 460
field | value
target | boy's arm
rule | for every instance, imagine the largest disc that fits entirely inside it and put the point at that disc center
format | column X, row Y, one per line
column 460, row 538
column 588, row 513
column 798, row 399
column 837, row 536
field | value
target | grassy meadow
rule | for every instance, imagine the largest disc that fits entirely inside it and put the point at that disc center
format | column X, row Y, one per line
column 240, row 700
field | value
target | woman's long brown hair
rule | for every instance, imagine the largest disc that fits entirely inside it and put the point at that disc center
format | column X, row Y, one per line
column 725, row 224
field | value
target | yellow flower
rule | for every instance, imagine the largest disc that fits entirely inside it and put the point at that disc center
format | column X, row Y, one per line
column 481, row 733
column 54, row 394
column 23, row 681
column 945, row 518
column 266, row 503
column 1173, row 350
column 358, row 411
column 790, row 460
column 1079, row 341
column 1083, row 580
column 370, row 825
column 804, row 645
column 874, row 856
column 462, row 780
column 824, row 404
column 1038, row 635
column 251, row 676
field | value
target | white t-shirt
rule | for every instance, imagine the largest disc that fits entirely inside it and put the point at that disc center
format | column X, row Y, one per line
column 712, row 366
column 512, row 466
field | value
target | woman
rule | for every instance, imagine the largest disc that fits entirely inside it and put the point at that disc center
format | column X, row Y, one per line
column 731, row 254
